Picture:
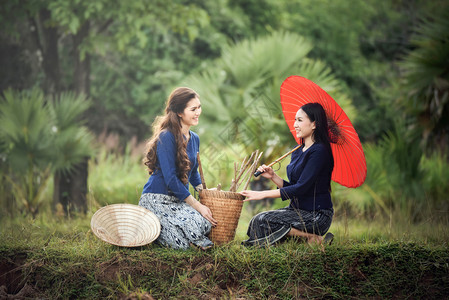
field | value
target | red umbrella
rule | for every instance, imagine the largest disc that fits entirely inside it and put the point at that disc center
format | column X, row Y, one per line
column 349, row 159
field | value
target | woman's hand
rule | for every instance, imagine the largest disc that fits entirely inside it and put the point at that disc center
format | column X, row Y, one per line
column 206, row 213
column 266, row 171
column 252, row 195
column 201, row 208
column 269, row 173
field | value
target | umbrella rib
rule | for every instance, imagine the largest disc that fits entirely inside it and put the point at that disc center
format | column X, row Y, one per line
column 300, row 93
column 340, row 114
column 354, row 142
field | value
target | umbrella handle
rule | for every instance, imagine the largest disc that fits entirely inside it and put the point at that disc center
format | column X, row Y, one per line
column 257, row 173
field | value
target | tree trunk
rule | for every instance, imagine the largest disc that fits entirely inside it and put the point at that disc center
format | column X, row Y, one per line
column 47, row 40
column 71, row 188
column 82, row 67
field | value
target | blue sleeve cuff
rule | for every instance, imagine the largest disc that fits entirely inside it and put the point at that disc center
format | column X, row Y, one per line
column 284, row 193
column 195, row 179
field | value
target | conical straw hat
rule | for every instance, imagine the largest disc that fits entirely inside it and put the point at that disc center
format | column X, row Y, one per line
column 125, row 225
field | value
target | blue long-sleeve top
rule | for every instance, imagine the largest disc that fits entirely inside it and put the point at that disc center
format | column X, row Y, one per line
column 164, row 179
column 309, row 175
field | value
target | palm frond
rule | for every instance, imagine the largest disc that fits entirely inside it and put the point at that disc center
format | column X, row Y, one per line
column 240, row 90
column 39, row 137
column 426, row 78
column 26, row 129
column 73, row 145
column 67, row 110
column 251, row 62
column 426, row 67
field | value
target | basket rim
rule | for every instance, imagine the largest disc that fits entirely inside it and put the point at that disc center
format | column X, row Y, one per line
column 222, row 194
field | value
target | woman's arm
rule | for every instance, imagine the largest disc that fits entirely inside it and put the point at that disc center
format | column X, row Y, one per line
column 195, row 178
column 259, row 195
column 278, row 181
column 201, row 208
column 166, row 154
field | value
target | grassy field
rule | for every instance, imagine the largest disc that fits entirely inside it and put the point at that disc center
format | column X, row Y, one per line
column 54, row 257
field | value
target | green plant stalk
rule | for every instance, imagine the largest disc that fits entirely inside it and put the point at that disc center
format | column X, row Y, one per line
column 378, row 199
column 30, row 189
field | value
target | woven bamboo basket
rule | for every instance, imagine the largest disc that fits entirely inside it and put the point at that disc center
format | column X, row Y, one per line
column 226, row 208
column 125, row 225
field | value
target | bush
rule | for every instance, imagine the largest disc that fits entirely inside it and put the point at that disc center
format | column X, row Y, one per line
column 39, row 136
column 401, row 179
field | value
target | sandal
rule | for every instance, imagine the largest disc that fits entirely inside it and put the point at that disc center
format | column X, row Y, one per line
column 204, row 248
column 328, row 238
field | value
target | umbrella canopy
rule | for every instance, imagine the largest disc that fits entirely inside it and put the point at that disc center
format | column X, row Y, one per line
column 349, row 159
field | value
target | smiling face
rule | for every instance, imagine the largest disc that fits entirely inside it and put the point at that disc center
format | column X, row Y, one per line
column 189, row 117
column 303, row 126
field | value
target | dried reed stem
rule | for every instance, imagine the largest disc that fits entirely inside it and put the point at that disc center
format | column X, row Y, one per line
column 252, row 169
column 243, row 168
column 245, row 171
column 250, row 165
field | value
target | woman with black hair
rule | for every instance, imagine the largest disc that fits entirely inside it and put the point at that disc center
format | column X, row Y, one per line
column 309, row 214
column 171, row 160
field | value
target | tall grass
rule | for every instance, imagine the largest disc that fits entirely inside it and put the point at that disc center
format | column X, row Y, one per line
column 116, row 178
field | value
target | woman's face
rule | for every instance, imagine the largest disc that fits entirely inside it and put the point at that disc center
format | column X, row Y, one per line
column 189, row 117
column 304, row 128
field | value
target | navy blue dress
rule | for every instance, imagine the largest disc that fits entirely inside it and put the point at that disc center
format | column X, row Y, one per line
column 308, row 189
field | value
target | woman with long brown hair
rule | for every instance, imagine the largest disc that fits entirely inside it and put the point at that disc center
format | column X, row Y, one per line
column 171, row 159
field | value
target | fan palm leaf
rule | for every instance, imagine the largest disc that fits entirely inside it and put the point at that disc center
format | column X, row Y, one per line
column 39, row 137
column 26, row 130
column 426, row 73
column 72, row 141
column 67, row 110
column 240, row 90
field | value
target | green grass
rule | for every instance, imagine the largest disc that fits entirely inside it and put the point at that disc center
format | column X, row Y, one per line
column 382, row 255
column 61, row 258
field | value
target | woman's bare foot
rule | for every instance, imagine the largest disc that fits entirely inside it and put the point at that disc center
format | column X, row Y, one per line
column 315, row 239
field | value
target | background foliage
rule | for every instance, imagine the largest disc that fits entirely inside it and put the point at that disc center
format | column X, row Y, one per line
column 39, row 136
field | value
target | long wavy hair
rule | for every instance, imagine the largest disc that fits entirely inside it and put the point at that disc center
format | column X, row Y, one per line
column 176, row 103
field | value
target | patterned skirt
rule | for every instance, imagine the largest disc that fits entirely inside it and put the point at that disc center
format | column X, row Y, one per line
column 267, row 228
column 181, row 224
